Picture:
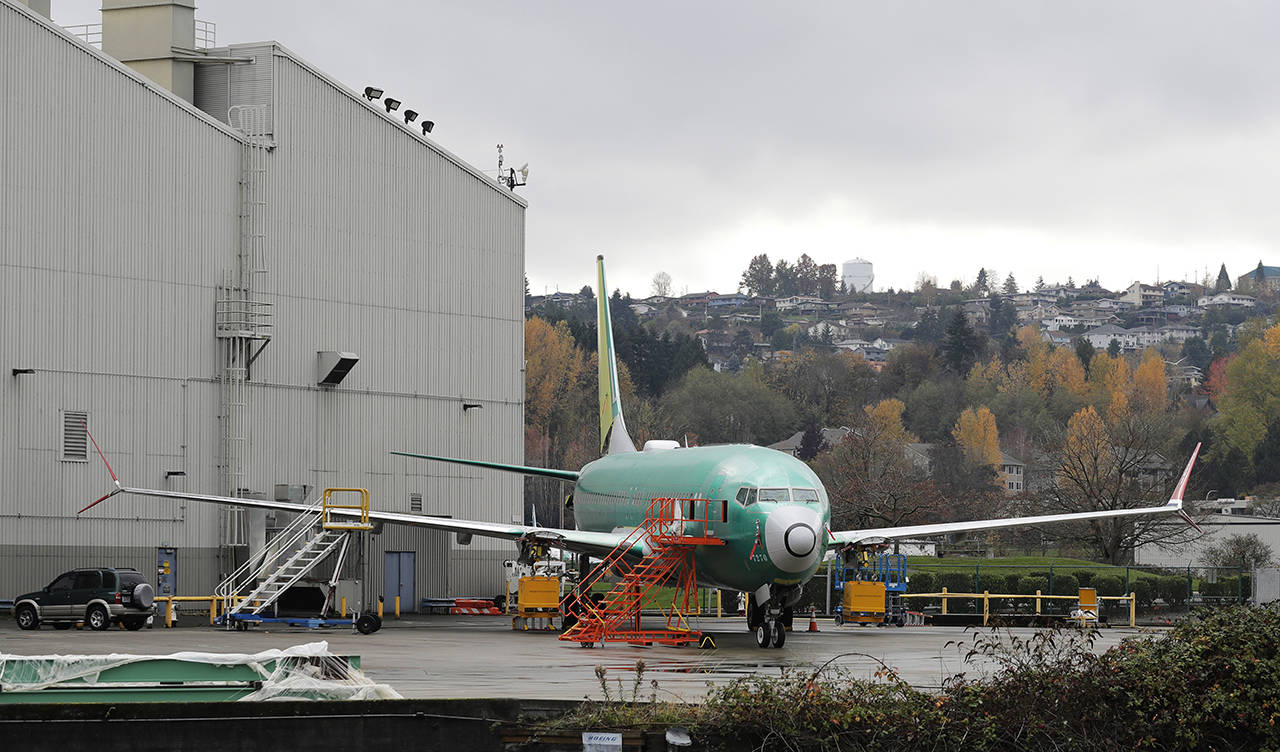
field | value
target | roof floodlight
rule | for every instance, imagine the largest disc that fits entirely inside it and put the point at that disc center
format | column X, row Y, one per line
column 392, row 104
column 410, row 116
column 372, row 92
column 427, row 125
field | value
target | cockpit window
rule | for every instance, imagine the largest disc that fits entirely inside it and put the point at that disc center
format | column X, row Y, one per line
column 747, row 496
column 804, row 494
column 775, row 494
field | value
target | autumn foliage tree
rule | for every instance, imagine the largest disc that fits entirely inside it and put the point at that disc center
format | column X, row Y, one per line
column 978, row 437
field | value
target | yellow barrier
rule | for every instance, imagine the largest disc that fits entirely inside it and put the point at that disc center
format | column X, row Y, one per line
column 987, row 596
column 344, row 606
column 397, row 607
column 379, row 609
column 170, row 600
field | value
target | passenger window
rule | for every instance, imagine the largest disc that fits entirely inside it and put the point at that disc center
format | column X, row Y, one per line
column 109, row 580
column 804, row 494
column 63, row 582
column 775, row 494
column 88, row 580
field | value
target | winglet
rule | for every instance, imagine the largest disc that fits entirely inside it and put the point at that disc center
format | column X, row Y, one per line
column 114, row 479
column 1175, row 501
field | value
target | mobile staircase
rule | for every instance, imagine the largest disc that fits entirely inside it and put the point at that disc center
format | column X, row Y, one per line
column 671, row 530
column 249, row 593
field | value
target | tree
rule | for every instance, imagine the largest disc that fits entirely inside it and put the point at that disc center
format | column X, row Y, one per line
column 1010, row 285
column 758, row 278
column 812, row 443
column 770, row 322
column 1107, row 464
column 961, row 346
column 1196, row 353
column 928, row 328
column 785, row 278
column 826, row 387
column 1085, row 352
column 662, row 284
column 1251, row 399
column 1245, row 551
column 1039, row 284
column 1113, row 348
column 723, row 408
column 869, row 478
column 1150, row 384
column 1266, row 456
column 806, row 271
column 1224, row 280
column 1004, row 317
column 828, row 281
column 975, row 432
column 981, row 286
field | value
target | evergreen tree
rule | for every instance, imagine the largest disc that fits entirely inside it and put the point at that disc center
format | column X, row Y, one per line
column 981, row 285
column 827, row 281
column 1010, row 285
column 806, row 275
column 811, row 443
column 1085, row 352
column 785, row 279
column 1113, row 348
column 1224, row 280
column 1039, row 284
column 758, row 278
column 929, row 327
column 1266, row 456
column 961, row 345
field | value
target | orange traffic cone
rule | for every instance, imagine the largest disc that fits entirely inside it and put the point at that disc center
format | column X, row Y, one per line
column 813, row 620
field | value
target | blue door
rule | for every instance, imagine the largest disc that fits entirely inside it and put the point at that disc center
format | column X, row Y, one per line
column 398, row 580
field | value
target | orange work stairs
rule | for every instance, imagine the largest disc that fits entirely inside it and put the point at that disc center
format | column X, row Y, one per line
column 671, row 530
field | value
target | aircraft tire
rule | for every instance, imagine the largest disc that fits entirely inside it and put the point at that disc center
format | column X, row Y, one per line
column 762, row 635
column 779, row 634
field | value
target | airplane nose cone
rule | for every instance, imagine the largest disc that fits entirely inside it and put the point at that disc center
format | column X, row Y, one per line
column 791, row 535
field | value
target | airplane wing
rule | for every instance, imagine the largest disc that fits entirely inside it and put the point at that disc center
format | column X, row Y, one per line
column 578, row 541
column 1174, row 505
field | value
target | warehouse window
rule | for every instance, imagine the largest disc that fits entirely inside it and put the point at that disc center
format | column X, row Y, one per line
column 75, row 441
column 415, row 502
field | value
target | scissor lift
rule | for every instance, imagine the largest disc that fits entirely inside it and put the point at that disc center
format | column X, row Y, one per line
column 872, row 587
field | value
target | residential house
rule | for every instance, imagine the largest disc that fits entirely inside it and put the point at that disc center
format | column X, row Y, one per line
column 1179, row 332
column 802, row 304
column 829, row 329
column 1226, row 300
column 1111, row 305
column 732, row 300
column 1013, row 474
column 1141, row 295
column 1101, row 337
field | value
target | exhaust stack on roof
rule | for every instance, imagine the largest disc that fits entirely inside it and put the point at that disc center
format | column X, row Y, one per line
column 157, row 38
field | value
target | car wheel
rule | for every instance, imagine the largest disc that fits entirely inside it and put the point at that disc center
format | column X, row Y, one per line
column 97, row 618
column 779, row 636
column 762, row 634
column 500, row 602
column 26, row 617
column 133, row 625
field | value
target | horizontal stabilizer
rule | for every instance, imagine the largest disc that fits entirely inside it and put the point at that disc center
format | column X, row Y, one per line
column 545, row 472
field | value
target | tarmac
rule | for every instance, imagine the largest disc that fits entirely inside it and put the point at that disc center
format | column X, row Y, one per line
column 482, row 657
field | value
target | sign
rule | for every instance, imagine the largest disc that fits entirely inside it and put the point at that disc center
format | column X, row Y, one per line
column 599, row 741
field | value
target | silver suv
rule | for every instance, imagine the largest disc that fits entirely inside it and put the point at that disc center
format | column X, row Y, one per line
column 99, row 597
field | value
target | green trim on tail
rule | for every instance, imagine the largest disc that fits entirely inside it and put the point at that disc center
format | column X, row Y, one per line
column 613, row 430
column 546, row 472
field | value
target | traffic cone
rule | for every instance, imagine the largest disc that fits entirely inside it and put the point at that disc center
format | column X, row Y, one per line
column 813, row 620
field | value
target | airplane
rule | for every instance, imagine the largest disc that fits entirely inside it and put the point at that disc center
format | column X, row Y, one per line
column 777, row 527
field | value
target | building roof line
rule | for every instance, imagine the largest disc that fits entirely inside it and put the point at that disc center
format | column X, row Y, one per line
column 283, row 51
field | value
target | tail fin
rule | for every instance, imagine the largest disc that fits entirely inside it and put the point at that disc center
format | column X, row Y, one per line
column 613, row 430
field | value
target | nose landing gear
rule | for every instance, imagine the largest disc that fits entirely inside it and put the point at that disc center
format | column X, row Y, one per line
column 769, row 621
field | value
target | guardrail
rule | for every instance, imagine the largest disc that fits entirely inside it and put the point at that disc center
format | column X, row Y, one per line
column 986, row 597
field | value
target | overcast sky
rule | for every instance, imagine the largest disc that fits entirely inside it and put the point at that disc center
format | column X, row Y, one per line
column 1083, row 139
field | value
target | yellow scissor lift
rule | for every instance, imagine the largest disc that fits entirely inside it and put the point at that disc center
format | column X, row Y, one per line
column 872, row 588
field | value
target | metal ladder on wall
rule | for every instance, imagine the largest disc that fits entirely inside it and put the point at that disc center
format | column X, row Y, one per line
column 312, row 537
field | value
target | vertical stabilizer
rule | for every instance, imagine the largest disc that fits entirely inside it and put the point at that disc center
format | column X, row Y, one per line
column 613, row 431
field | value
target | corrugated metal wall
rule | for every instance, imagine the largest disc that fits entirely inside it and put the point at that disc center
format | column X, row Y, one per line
column 116, row 227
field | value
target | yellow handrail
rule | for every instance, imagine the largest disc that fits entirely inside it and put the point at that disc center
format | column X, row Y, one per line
column 328, row 504
column 986, row 600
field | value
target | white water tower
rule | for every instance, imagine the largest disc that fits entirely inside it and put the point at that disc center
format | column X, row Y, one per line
column 857, row 275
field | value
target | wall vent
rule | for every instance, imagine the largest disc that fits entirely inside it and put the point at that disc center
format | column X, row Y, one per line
column 334, row 366
column 75, row 440
column 415, row 502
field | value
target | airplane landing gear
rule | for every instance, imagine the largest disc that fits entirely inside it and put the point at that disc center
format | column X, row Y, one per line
column 769, row 621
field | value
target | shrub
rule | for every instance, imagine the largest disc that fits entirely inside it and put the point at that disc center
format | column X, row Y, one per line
column 1011, row 583
column 922, row 582
column 1144, row 589
column 1084, row 577
column 958, row 582
column 1109, row 584
column 1172, row 589
column 1066, row 584
column 1029, row 585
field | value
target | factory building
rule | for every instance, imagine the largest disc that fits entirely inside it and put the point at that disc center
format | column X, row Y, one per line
column 246, row 279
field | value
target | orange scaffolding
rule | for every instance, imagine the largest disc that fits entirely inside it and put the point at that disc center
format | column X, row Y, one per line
column 672, row 528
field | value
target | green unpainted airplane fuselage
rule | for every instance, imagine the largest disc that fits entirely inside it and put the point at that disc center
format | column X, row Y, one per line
column 778, row 512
